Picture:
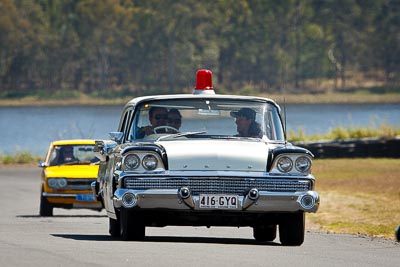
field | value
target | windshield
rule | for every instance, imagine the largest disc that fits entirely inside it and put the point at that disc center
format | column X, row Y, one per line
column 72, row 154
column 202, row 118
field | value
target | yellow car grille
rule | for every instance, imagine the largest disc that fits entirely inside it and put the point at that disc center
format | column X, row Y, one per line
column 79, row 184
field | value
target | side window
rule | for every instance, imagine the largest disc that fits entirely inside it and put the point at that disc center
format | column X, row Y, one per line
column 273, row 126
column 139, row 119
column 123, row 127
column 268, row 125
column 53, row 156
column 124, row 121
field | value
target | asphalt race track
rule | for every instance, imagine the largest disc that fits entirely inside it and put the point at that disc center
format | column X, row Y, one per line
column 80, row 238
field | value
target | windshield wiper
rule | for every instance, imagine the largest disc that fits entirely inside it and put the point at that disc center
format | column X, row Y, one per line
column 233, row 137
column 225, row 137
column 180, row 135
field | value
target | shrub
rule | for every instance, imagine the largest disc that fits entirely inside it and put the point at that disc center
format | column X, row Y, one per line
column 19, row 158
column 384, row 131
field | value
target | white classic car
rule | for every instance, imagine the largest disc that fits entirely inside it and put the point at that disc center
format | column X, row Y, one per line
column 204, row 159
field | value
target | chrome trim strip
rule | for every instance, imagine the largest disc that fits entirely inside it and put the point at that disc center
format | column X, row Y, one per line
column 211, row 173
column 59, row 195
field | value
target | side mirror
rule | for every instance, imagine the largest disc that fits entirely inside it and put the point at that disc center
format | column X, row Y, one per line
column 42, row 164
column 103, row 148
column 116, row 136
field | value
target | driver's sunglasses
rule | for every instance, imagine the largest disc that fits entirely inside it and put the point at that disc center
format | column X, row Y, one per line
column 174, row 121
column 160, row 117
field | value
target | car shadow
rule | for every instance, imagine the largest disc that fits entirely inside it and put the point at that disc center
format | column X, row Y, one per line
column 171, row 239
column 62, row 216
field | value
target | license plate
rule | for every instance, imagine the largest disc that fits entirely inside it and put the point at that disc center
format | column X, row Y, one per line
column 85, row 197
column 213, row 201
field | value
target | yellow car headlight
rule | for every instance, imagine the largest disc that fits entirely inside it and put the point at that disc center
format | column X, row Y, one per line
column 57, row 183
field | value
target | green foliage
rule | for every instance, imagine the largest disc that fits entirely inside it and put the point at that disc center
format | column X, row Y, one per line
column 296, row 137
column 14, row 94
column 379, row 90
column 339, row 133
column 116, row 94
column 98, row 47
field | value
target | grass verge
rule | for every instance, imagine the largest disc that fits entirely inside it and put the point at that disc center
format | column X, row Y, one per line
column 290, row 98
column 22, row 157
column 384, row 131
column 358, row 196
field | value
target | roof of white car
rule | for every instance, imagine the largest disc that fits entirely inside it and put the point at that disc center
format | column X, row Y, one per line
column 137, row 100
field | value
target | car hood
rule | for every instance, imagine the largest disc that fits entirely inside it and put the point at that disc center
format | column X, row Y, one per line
column 72, row 171
column 218, row 155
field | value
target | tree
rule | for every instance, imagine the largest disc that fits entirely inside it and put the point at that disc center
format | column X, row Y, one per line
column 387, row 40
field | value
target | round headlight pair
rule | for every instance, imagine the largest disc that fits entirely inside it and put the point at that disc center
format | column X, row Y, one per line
column 302, row 164
column 132, row 162
column 57, row 183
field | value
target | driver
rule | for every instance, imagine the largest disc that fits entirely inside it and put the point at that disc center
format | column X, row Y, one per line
column 158, row 117
column 68, row 154
column 64, row 154
column 174, row 118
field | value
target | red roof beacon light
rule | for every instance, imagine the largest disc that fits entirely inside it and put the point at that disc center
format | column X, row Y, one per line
column 204, row 83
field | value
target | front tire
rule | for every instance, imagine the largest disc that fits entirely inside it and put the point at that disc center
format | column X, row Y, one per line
column 291, row 229
column 264, row 232
column 114, row 227
column 132, row 226
column 46, row 209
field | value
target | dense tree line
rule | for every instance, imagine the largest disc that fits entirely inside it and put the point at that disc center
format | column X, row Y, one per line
column 130, row 46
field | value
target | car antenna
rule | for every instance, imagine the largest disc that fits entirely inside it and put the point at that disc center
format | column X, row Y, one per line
column 284, row 113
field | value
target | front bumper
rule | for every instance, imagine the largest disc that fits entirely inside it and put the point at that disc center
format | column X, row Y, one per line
column 254, row 201
column 76, row 200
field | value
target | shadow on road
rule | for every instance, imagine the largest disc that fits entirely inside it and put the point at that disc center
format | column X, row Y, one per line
column 172, row 239
column 61, row 216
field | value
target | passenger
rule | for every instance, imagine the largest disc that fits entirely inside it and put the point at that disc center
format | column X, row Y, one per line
column 158, row 117
column 246, row 123
column 174, row 118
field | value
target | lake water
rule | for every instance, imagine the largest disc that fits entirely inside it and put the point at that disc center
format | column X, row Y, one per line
column 33, row 128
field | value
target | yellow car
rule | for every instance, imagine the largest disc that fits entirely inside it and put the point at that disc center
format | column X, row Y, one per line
column 68, row 171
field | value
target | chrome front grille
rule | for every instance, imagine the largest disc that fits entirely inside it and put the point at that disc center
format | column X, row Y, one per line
column 209, row 185
column 79, row 184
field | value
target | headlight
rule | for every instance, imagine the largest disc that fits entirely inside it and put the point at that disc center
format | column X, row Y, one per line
column 57, row 183
column 303, row 164
column 131, row 162
column 150, row 162
column 285, row 164
column 141, row 161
